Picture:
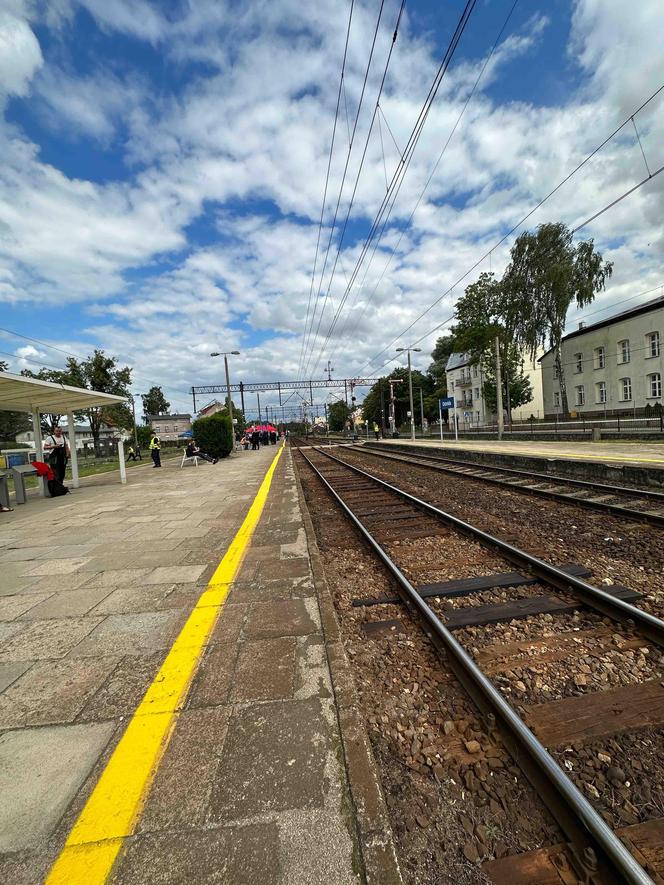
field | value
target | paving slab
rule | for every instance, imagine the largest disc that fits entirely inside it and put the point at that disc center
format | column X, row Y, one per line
column 64, row 604
column 41, row 640
column 280, row 617
column 132, row 634
column 41, row 770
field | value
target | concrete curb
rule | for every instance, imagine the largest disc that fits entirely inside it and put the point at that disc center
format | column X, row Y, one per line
column 381, row 866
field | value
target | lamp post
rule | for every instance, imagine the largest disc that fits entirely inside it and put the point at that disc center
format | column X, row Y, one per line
column 226, row 354
column 410, row 350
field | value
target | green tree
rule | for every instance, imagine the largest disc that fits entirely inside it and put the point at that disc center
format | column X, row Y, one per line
column 12, row 423
column 337, row 415
column 547, row 274
column 49, row 421
column 101, row 373
column 144, row 435
column 214, row 434
column 425, row 382
column 442, row 351
column 154, row 403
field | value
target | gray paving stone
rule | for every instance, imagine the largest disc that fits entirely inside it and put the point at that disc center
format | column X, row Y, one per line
column 274, row 759
column 41, row 640
column 10, row 672
column 53, row 691
column 13, row 606
column 56, row 566
column 118, row 577
column 123, row 690
column 279, row 617
column 41, row 769
column 177, row 574
column 240, row 855
column 265, row 670
column 66, row 604
column 132, row 634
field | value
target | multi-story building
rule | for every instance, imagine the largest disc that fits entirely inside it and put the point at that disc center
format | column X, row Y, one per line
column 614, row 366
column 169, row 428
column 465, row 382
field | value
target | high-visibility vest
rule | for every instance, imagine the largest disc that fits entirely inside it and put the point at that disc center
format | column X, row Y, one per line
column 154, row 443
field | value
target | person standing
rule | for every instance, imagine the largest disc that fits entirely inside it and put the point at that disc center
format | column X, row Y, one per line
column 376, row 430
column 155, row 449
column 58, row 453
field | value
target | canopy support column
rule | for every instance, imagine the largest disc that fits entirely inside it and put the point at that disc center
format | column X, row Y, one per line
column 71, row 427
column 39, row 445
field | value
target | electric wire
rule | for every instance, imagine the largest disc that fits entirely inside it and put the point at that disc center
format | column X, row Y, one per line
column 406, row 158
column 343, row 178
column 327, row 175
column 515, row 228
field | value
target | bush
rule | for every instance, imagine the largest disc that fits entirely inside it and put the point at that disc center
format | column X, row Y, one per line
column 214, row 435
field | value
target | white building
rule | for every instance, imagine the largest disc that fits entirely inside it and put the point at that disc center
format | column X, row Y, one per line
column 614, row 366
column 465, row 382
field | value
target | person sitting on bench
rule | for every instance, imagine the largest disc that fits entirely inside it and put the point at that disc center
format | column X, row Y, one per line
column 194, row 452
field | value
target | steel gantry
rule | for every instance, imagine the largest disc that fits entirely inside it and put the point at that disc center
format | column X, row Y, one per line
column 281, row 386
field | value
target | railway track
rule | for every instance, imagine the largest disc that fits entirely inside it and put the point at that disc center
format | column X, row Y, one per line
column 384, row 514
column 645, row 505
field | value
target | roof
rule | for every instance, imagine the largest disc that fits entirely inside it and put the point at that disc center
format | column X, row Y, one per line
column 19, row 393
column 647, row 307
column 168, row 417
column 457, row 360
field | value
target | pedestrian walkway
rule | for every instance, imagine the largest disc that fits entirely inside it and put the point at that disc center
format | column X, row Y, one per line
column 606, row 452
column 156, row 727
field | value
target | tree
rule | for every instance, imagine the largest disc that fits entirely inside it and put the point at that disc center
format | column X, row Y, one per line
column 546, row 275
column 442, row 351
column 214, row 434
column 338, row 413
column 372, row 402
column 101, row 373
column 12, row 423
column 154, row 403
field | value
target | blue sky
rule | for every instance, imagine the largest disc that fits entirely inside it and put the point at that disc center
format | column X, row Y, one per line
column 165, row 164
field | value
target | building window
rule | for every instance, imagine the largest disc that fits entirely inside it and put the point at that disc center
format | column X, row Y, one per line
column 599, row 357
column 625, row 389
column 165, row 430
column 580, row 395
column 556, row 399
column 555, row 372
column 579, row 363
column 175, row 429
column 623, row 351
column 474, row 371
column 652, row 341
column 477, row 393
column 600, row 392
column 655, row 385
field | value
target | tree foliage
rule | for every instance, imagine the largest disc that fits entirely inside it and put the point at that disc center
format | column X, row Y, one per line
column 337, row 415
column 214, row 434
column 546, row 275
column 154, row 403
column 443, row 349
column 12, row 423
column 371, row 406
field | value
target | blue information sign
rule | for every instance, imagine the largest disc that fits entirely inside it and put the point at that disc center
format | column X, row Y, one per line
column 447, row 402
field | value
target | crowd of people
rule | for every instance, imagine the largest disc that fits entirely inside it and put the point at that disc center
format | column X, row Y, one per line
column 265, row 434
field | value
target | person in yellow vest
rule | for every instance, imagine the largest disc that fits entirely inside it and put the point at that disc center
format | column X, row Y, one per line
column 155, row 447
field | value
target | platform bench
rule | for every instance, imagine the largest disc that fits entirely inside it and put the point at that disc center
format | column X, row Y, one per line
column 19, row 474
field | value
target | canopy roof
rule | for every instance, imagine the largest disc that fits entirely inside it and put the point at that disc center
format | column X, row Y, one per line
column 21, row 394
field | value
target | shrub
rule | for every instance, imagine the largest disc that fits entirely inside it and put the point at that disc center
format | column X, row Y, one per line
column 214, row 435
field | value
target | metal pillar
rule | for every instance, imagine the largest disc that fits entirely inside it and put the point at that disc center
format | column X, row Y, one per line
column 39, row 445
column 382, row 407
column 193, row 393
column 279, row 389
column 258, row 398
column 410, row 394
column 422, row 411
column 71, row 426
column 242, row 396
column 499, row 391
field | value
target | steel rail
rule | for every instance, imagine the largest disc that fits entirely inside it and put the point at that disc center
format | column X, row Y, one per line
column 617, row 609
column 597, row 849
column 615, row 509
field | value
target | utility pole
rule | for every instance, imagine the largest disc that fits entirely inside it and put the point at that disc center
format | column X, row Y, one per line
column 133, row 412
column 499, row 391
column 258, row 399
column 393, row 423
column 410, row 387
column 422, row 410
column 329, row 370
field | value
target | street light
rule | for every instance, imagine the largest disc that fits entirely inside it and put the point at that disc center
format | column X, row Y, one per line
column 226, row 354
column 410, row 385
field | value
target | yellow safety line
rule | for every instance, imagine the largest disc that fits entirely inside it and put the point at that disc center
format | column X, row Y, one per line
column 113, row 809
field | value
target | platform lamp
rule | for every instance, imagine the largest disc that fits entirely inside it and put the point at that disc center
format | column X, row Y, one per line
column 410, row 385
column 226, row 354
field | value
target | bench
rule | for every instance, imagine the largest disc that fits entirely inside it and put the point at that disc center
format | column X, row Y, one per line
column 19, row 474
column 4, row 489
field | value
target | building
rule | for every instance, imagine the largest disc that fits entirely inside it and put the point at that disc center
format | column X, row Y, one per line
column 169, row 428
column 84, row 438
column 611, row 367
column 211, row 409
column 465, row 382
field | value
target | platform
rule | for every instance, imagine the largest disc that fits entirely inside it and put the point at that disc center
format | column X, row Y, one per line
column 632, row 462
column 172, row 688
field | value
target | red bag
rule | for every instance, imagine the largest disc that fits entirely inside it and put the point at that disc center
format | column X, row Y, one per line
column 43, row 469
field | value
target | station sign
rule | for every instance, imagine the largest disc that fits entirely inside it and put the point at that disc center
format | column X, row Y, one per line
column 447, row 402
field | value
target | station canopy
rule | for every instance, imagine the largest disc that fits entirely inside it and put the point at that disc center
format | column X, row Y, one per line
column 19, row 393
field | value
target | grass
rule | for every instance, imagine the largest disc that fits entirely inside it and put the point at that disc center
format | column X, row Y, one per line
column 93, row 466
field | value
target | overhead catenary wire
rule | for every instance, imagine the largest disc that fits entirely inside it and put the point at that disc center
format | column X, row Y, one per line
column 426, row 185
column 513, row 230
column 357, row 179
column 406, row 158
column 327, row 175
column 343, row 177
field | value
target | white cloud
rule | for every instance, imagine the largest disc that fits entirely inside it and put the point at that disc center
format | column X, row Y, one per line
column 20, row 54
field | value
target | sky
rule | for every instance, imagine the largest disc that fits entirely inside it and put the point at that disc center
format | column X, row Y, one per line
column 164, row 165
